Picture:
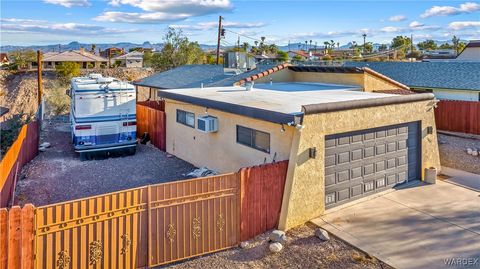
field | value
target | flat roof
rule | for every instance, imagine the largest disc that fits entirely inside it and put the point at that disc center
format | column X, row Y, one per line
column 274, row 105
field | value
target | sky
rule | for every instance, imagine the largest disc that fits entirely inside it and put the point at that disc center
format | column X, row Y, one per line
column 40, row 22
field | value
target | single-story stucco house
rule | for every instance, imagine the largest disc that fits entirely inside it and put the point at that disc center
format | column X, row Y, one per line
column 347, row 132
column 132, row 59
column 85, row 59
column 446, row 80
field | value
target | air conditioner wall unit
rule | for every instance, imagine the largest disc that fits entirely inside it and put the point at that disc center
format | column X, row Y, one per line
column 207, row 124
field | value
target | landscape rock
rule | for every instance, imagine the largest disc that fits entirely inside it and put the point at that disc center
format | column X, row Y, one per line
column 322, row 234
column 278, row 236
column 475, row 153
column 469, row 151
column 245, row 245
column 275, row 247
column 45, row 145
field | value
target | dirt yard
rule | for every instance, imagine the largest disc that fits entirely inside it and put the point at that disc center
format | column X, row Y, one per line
column 302, row 250
column 58, row 175
column 453, row 153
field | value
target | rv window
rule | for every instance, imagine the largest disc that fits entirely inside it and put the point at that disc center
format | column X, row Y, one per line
column 253, row 138
column 186, row 118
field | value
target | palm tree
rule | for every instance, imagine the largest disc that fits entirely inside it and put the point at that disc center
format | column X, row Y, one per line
column 245, row 46
column 310, row 44
column 338, row 45
column 306, row 43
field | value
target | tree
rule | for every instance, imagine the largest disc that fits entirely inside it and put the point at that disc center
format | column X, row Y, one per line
column 445, row 46
column 67, row 70
column 93, row 48
column 298, row 58
column 282, row 56
column 21, row 58
column 368, row 47
column 455, row 41
column 428, row 44
column 245, row 46
column 401, row 44
column 461, row 46
column 177, row 50
column 147, row 58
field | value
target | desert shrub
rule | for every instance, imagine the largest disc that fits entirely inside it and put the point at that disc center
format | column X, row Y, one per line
column 67, row 70
column 9, row 134
column 57, row 101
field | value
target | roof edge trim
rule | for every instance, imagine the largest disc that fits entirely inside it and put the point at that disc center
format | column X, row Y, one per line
column 382, row 101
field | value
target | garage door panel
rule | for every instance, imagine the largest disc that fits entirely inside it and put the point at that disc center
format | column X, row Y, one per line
column 364, row 162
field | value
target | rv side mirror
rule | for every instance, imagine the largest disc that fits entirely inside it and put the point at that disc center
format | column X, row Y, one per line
column 67, row 92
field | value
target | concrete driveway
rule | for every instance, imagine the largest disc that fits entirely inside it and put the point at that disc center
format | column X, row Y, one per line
column 418, row 226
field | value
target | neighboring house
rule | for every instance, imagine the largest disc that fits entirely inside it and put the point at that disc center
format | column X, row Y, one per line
column 86, row 59
column 129, row 60
column 190, row 76
column 446, row 80
column 343, row 139
column 112, row 52
column 4, row 59
column 471, row 52
column 438, row 55
column 299, row 54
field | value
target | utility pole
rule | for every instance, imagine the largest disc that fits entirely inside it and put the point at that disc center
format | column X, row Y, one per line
column 218, row 40
column 39, row 89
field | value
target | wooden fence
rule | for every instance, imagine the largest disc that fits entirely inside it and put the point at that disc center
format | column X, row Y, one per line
column 24, row 149
column 261, row 195
column 151, row 119
column 146, row 226
column 458, row 116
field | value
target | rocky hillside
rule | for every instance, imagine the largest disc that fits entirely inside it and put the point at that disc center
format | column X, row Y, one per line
column 18, row 90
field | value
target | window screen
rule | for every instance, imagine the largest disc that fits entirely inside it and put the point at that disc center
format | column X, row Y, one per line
column 253, row 138
column 186, row 118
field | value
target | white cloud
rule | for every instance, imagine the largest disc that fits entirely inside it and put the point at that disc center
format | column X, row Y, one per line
column 416, row 24
column 397, row 18
column 69, row 3
column 460, row 25
column 164, row 11
column 68, row 29
column 467, row 7
column 14, row 20
column 133, row 17
column 213, row 25
column 390, row 29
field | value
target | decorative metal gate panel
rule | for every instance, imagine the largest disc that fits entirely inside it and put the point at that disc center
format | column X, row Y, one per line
column 193, row 217
column 107, row 231
column 140, row 227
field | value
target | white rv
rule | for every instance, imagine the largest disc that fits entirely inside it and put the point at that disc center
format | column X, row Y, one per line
column 102, row 115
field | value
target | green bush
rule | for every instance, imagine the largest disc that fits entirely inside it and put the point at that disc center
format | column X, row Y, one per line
column 67, row 70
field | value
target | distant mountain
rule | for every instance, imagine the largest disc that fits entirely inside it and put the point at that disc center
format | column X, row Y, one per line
column 76, row 46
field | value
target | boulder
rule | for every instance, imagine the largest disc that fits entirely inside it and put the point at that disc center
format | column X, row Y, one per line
column 469, row 151
column 322, row 234
column 275, row 247
column 475, row 153
column 277, row 236
column 45, row 145
column 245, row 245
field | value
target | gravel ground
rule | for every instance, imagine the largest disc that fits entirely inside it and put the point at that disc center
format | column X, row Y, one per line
column 453, row 153
column 58, row 175
column 302, row 250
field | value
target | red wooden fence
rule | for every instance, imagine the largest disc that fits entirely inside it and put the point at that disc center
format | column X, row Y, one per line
column 458, row 116
column 17, row 237
column 261, row 198
column 151, row 119
column 23, row 150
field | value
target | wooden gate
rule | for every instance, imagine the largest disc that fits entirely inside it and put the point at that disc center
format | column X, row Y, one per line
column 140, row 227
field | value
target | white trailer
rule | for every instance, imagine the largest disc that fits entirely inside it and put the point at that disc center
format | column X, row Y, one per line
column 102, row 115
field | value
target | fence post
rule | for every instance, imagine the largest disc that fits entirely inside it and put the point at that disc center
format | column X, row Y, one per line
column 27, row 226
column 3, row 238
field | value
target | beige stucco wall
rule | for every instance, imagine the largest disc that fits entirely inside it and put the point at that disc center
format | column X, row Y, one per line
column 367, row 81
column 220, row 151
column 304, row 196
column 373, row 83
